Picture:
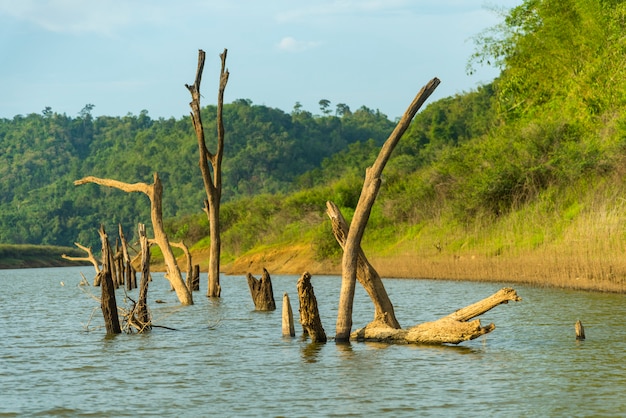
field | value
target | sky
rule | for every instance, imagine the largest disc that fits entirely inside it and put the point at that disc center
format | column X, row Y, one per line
column 126, row 56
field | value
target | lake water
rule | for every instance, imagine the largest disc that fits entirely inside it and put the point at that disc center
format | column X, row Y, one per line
column 225, row 359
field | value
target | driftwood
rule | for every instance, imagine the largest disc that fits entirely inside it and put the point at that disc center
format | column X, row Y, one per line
column 107, row 301
column 211, row 167
column 154, row 192
column 261, row 291
column 287, row 318
column 371, row 186
column 451, row 329
column 309, row 314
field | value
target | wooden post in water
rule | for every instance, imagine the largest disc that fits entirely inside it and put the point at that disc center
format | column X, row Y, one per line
column 108, row 303
column 288, row 327
column 580, row 330
column 309, row 314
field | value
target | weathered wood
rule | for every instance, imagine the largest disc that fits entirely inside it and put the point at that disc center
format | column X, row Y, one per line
column 371, row 186
column 451, row 329
column 261, row 291
column 154, row 192
column 287, row 318
column 90, row 257
column 195, row 280
column 365, row 274
column 128, row 272
column 188, row 263
column 107, row 301
column 580, row 330
column 309, row 314
column 141, row 309
column 211, row 175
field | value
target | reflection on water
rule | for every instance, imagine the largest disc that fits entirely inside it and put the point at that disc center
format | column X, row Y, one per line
column 226, row 359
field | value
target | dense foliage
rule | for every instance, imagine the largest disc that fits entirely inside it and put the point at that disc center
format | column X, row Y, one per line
column 42, row 154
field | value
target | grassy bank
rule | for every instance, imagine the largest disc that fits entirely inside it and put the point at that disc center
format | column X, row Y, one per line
column 573, row 238
column 32, row 256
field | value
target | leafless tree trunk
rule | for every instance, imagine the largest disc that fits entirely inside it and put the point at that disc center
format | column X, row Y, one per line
column 189, row 277
column 154, row 192
column 212, row 183
column 365, row 274
column 107, row 301
column 371, row 186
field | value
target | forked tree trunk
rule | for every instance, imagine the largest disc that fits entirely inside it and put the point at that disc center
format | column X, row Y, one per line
column 309, row 314
column 154, row 193
column 365, row 274
column 261, row 292
column 211, row 167
column 371, row 186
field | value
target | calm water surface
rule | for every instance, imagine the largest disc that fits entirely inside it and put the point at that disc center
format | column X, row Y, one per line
column 225, row 359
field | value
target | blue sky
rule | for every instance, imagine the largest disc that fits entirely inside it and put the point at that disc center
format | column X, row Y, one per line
column 125, row 56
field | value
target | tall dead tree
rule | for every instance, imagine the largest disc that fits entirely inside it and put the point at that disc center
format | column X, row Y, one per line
column 211, row 167
column 154, row 192
column 371, row 186
column 189, row 277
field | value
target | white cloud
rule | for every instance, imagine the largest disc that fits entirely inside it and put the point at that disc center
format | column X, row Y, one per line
column 289, row 44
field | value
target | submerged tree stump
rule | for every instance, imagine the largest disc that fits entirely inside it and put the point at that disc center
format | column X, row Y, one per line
column 580, row 330
column 261, row 291
column 195, row 279
column 107, row 301
column 287, row 318
column 309, row 314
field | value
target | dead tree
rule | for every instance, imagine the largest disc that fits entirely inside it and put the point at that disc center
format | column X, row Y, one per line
column 128, row 271
column 90, row 257
column 371, row 186
column 154, row 192
column 451, row 329
column 261, row 291
column 188, row 264
column 107, row 301
column 140, row 312
column 365, row 272
column 211, row 163
column 309, row 314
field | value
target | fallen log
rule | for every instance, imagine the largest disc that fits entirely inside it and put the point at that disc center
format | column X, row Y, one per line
column 451, row 329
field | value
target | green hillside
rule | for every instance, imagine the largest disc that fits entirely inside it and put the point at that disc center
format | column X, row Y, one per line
column 521, row 179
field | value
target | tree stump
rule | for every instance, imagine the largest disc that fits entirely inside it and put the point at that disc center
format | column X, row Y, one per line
column 580, row 330
column 195, row 279
column 309, row 314
column 287, row 317
column 261, row 291
column 107, row 302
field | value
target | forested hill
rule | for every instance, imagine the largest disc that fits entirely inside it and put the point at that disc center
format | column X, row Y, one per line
column 531, row 165
column 41, row 154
